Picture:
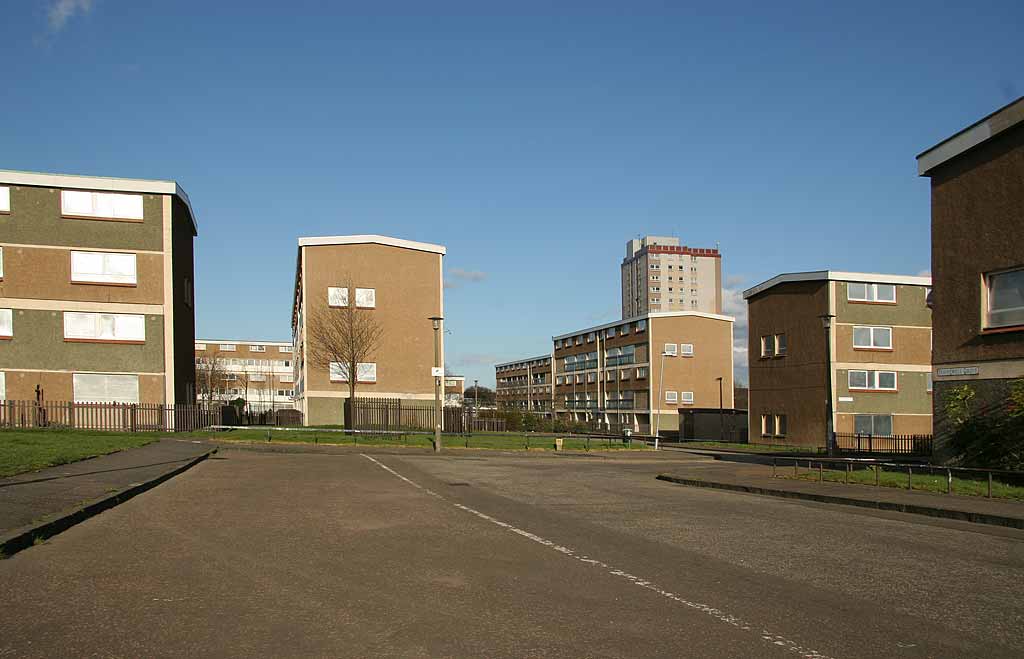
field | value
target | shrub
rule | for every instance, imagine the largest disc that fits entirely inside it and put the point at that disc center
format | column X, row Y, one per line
column 992, row 440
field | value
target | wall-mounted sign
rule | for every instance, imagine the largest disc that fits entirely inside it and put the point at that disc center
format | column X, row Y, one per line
column 954, row 371
column 437, row 371
column 846, row 399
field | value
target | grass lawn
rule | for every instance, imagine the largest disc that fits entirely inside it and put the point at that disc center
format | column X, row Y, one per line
column 921, row 481
column 501, row 441
column 750, row 448
column 29, row 450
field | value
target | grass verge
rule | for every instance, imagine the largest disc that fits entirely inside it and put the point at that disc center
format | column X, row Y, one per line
column 921, row 481
column 30, row 450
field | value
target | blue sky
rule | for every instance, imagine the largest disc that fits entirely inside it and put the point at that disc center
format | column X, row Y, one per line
column 531, row 140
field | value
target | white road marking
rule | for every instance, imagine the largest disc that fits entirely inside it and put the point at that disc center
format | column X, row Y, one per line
column 717, row 614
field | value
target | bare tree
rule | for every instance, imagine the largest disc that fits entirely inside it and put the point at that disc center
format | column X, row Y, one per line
column 210, row 376
column 344, row 335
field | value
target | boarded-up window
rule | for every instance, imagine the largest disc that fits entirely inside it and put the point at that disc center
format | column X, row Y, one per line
column 366, row 298
column 5, row 200
column 102, row 388
column 337, row 297
column 6, row 323
column 103, row 267
column 104, row 326
column 79, row 203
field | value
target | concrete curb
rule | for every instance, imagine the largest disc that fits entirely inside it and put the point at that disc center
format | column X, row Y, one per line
column 915, row 509
column 21, row 538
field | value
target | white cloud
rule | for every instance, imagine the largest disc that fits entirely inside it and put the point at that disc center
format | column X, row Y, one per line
column 734, row 305
column 61, row 11
column 458, row 276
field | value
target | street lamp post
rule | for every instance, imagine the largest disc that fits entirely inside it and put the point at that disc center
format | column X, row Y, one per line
column 657, row 408
column 721, row 413
column 438, row 375
column 826, row 322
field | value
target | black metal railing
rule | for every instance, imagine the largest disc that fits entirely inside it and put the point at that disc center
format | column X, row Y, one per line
column 859, row 443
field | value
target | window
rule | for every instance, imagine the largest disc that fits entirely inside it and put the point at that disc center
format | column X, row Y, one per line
column 228, row 347
column 671, row 397
column 338, row 372
column 558, row 379
column 641, row 373
column 780, row 345
column 780, row 425
column 366, row 372
column 1, row 263
column 3, row 386
column 255, row 348
column 579, row 340
column 107, row 205
column 671, row 349
column 624, row 329
column 6, row 323
column 624, row 375
column 558, row 343
column 590, row 337
column 101, row 388
column 1005, row 299
column 884, row 380
column 103, row 268
column 928, row 383
column 104, row 327
column 686, row 397
column 768, row 346
column 767, row 425
column 856, row 292
column 5, row 200
column 641, row 325
column 286, row 378
column 200, row 346
column 610, row 333
column 872, row 424
column 285, row 349
column 337, row 297
column 872, row 338
column 686, row 349
column 366, row 298
column 257, row 377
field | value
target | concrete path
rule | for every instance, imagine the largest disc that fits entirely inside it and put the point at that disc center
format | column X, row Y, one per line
column 388, row 555
column 41, row 495
column 1002, row 512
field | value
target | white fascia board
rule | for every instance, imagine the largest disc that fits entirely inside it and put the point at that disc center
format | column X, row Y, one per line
column 836, row 275
column 246, row 342
column 99, row 183
column 523, row 361
column 977, row 133
column 647, row 316
column 363, row 239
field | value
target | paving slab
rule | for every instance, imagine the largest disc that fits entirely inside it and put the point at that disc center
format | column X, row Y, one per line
column 42, row 496
column 757, row 479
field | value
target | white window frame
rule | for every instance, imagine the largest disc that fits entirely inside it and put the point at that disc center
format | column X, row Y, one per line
column 873, row 417
column 768, row 346
column 767, row 425
column 366, row 298
column 780, row 421
column 106, row 265
column 228, row 347
column 987, row 307
column 366, row 372
column 3, row 386
column 1, row 263
column 5, row 199
column 6, row 323
column 686, row 349
column 257, row 348
column 671, row 397
column 128, row 207
column 873, row 330
column 337, row 296
column 872, row 380
column 641, row 373
column 781, row 346
column 285, row 349
column 871, row 292
column 122, row 325
column 200, row 346
column 686, row 397
column 670, row 349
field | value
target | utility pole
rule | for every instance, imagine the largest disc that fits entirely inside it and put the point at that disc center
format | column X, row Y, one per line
column 721, row 413
column 438, row 377
column 826, row 322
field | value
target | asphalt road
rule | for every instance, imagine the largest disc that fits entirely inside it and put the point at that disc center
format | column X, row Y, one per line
column 377, row 554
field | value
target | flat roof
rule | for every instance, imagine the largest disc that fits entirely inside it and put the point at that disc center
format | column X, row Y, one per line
column 836, row 275
column 977, row 133
column 654, row 314
column 522, row 361
column 362, row 239
column 254, row 342
column 104, row 183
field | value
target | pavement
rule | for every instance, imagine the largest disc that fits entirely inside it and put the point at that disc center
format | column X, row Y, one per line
column 757, row 479
column 31, row 500
column 400, row 554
